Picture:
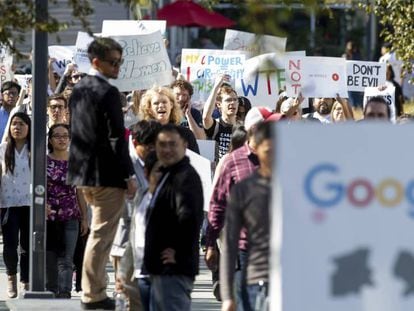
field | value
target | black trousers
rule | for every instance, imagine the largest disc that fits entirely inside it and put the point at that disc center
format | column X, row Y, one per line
column 16, row 232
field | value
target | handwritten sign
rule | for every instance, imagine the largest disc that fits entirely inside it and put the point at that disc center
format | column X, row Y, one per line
column 80, row 57
column 146, row 62
column 315, row 76
column 63, row 55
column 252, row 44
column 264, row 77
column 6, row 73
column 387, row 93
column 202, row 66
column 23, row 80
column 364, row 74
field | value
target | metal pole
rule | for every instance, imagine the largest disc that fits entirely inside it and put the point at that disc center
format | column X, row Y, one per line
column 38, row 159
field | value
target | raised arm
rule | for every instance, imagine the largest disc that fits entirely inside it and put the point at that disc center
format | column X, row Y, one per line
column 211, row 101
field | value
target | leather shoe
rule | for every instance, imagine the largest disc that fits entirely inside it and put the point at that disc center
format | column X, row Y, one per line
column 106, row 304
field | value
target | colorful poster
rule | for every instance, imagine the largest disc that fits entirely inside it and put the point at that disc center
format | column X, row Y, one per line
column 342, row 218
column 202, row 66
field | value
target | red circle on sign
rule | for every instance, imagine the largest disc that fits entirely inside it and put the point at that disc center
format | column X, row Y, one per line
column 335, row 77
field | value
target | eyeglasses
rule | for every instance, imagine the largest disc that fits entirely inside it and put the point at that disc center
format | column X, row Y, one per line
column 59, row 107
column 78, row 76
column 114, row 62
column 10, row 93
column 60, row 136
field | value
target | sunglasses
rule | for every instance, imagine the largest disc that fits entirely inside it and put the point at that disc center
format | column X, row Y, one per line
column 114, row 62
column 78, row 76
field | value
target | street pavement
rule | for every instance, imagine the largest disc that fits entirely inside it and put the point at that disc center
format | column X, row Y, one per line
column 202, row 297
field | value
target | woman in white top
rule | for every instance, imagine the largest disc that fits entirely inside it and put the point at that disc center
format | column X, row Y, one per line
column 15, row 200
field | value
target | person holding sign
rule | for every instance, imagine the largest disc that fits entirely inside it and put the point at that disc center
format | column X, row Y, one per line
column 183, row 90
column 323, row 107
column 341, row 111
column 225, row 97
column 377, row 109
column 249, row 206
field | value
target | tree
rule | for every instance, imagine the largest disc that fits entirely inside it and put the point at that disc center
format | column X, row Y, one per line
column 18, row 17
column 397, row 19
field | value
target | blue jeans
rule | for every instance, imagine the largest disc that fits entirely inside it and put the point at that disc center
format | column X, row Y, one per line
column 171, row 293
column 242, row 297
column 257, row 295
column 16, row 232
column 144, row 285
column 60, row 266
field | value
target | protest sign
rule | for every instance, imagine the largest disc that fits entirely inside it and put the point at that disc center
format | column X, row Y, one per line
column 146, row 62
column 342, row 218
column 207, row 148
column 364, row 74
column 264, row 78
column 387, row 92
column 132, row 27
column 6, row 73
column 63, row 55
column 252, row 44
column 203, row 168
column 202, row 66
column 315, row 76
column 81, row 56
column 23, row 80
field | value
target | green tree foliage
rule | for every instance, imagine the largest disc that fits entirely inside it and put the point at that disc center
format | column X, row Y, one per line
column 18, row 17
column 397, row 19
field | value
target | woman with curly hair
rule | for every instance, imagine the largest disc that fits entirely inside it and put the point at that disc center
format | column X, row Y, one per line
column 159, row 104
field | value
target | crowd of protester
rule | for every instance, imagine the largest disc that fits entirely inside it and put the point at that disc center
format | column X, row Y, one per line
column 118, row 177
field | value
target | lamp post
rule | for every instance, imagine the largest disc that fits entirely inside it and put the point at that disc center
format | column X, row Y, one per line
column 38, row 159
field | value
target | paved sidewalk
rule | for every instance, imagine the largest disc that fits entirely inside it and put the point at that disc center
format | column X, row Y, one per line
column 203, row 299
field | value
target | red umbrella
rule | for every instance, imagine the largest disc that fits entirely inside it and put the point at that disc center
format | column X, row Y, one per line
column 191, row 14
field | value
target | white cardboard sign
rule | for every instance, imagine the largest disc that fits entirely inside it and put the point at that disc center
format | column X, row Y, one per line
column 388, row 93
column 252, row 44
column 203, row 168
column 315, row 76
column 63, row 55
column 6, row 73
column 81, row 56
column 342, row 218
column 146, row 62
column 264, row 78
column 364, row 74
column 132, row 27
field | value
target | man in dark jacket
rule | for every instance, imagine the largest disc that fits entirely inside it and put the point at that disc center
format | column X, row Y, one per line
column 171, row 254
column 99, row 162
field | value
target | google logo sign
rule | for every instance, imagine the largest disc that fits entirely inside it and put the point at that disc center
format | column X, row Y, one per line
column 335, row 191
